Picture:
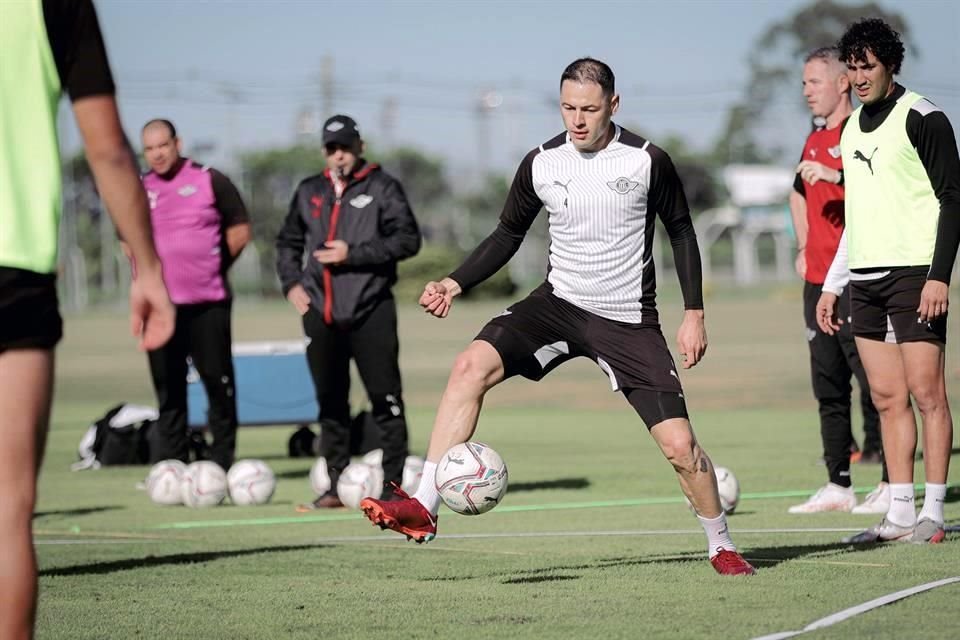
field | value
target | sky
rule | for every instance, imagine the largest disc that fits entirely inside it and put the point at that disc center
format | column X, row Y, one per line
column 237, row 76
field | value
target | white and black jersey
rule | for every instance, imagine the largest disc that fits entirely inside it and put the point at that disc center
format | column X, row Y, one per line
column 601, row 207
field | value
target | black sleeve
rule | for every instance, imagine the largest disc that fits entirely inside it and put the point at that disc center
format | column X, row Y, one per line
column 933, row 137
column 399, row 233
column 227, row 200
column 78, row 50
column 291, row 241
column 519, row 212
column 798, row 185
column 667, row 200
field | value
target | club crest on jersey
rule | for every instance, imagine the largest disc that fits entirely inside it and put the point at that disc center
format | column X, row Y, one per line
column 187, row 190
column 623, row 186
column 152, row 196
column 834, row 151
column 361, row 201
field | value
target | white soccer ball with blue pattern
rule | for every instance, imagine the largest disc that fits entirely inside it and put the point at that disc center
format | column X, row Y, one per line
column 471, row 478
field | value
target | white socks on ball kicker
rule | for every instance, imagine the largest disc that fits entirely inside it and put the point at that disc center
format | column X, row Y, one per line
column 718, row 535
column 427, row 491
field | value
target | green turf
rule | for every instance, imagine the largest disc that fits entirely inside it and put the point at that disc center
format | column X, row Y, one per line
column 580, row 463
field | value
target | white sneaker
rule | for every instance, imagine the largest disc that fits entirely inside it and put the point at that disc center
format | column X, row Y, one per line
column 830, row 497
column 883, row 532
column 876, row 502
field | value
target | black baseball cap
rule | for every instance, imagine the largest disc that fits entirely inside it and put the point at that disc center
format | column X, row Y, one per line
column 341, row 129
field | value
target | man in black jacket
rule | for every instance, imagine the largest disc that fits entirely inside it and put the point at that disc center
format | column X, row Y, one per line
column 356, row 223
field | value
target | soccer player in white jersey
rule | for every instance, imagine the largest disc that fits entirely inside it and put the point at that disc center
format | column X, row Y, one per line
column 602, row 187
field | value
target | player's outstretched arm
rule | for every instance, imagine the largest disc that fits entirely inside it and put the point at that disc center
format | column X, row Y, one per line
column 438, row 297
column 115, row 171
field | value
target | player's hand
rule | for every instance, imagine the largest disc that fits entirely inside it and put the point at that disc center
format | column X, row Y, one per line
column 812, row 172
column 800, row 264
column 437, row 297
column 152, row 315
column 692, row 338
column 933, row 300
column 299, row 298
column 334, row 252
column 826, row 313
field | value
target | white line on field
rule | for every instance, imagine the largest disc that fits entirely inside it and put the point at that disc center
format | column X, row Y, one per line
column 846, row 614
column 582, row 534
column 106, row 541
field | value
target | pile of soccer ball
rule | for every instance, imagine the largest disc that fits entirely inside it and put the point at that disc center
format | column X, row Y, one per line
column 363, row 478
column 471, row 478
column 205, row 484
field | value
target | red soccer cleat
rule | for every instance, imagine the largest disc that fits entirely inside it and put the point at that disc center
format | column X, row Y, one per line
column 406, row 516
column 731, row 563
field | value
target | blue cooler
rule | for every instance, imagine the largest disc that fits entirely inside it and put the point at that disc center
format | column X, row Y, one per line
column 273, row 386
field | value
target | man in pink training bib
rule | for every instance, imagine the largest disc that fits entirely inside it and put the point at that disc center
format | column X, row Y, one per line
column 200, row 225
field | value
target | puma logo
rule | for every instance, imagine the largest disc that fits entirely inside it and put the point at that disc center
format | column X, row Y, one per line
column 857, row 155
column 565, row 187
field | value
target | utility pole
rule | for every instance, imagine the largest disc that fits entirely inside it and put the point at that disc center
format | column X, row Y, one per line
column 489, row 100
column 388, row 121
column 326, row 87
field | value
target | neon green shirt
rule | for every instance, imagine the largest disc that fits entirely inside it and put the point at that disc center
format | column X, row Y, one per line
column 891, row 208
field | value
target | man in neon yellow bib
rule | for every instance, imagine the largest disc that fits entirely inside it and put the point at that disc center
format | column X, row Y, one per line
column 902, row 175
column 47, row 48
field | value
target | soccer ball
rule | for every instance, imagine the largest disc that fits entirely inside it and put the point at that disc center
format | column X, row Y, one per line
column 251, row 482
column 412, row 471
column 163, row 482
column 471, row 478
column 374, row 458
column 320, row 478
column 204, row 484
column 358, row 481
column 729, row 489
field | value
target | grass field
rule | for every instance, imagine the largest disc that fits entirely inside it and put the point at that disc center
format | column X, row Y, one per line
column 593, row 539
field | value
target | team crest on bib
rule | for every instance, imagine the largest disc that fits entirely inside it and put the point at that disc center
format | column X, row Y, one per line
column 834, row 151
column 623, row 186
column 187, row 190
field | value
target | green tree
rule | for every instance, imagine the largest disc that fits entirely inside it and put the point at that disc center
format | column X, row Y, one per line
column 775, row 62
column 269, row 178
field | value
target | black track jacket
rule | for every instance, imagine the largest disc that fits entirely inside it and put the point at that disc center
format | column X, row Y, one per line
column 372, row 216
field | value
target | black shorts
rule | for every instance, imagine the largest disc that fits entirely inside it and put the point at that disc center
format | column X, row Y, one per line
column 885, row 309
column 541, row 332
column 29, row 312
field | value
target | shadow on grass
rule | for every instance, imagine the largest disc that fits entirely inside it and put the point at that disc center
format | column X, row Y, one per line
column 293, row 474
column 82, row 511
column 99, row 568
column 762, row 557
column 559, row 483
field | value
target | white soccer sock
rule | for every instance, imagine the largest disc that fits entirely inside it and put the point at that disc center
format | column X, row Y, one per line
column 933, row 501
column 902, row 511
column 718, row 535
column 427, row 491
